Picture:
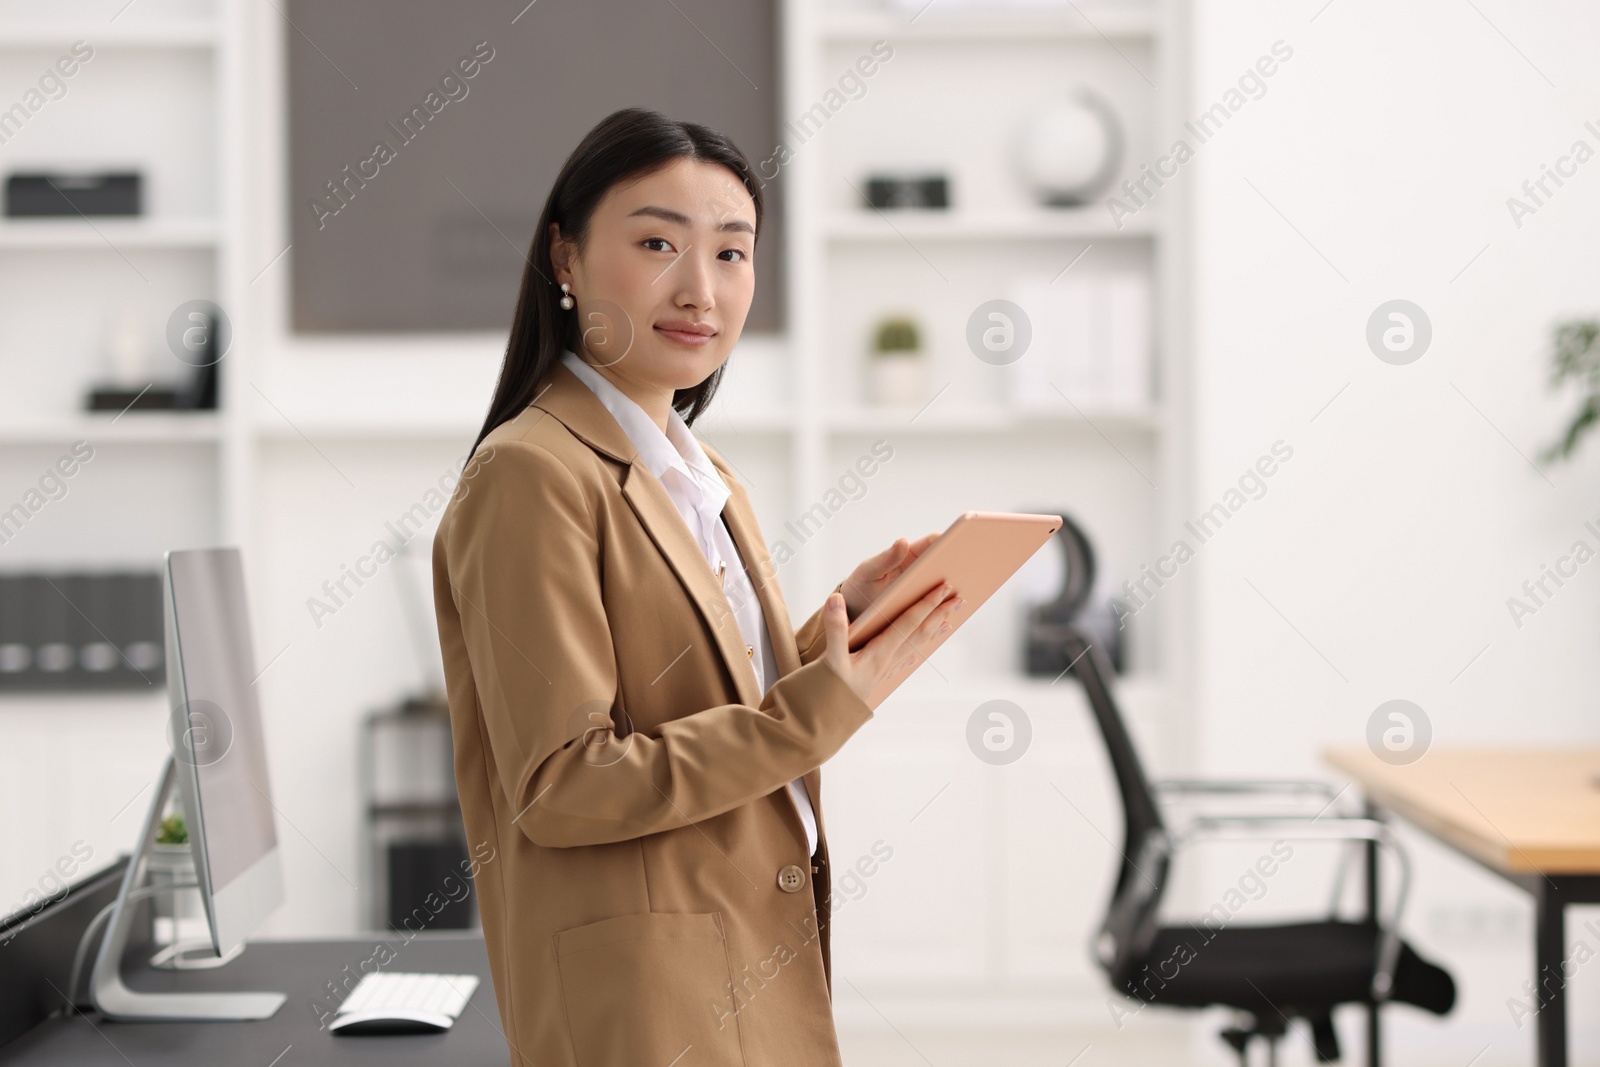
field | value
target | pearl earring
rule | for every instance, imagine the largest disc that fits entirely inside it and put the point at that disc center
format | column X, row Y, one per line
column 566, row 296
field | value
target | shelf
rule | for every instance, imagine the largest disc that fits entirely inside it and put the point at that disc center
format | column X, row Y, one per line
column 153, row 427
column 107, row 231
column 936, row 224
column 867, row 420
column 272, row 426
column 746, row 422
column 992, row 24
column 851, row 421
column 166, row 34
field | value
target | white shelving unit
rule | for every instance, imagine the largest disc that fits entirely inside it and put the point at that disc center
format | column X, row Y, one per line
column 161, row 94
column 173, row 63
column 1026, row 846
column 949, row 100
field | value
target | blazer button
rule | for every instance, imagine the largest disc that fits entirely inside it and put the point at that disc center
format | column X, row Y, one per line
column 791, row 879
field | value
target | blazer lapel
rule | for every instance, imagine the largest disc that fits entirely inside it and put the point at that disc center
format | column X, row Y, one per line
column 661, row 518
column 567, row 398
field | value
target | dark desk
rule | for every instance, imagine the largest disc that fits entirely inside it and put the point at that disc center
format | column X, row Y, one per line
column 302, row 970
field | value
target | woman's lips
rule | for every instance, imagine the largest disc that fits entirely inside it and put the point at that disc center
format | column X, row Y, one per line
column 689, row 340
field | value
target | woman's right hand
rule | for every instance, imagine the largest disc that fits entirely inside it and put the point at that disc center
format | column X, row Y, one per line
column 902, row 642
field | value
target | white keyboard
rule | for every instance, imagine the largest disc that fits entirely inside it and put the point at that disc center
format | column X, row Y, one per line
column 398, row 1002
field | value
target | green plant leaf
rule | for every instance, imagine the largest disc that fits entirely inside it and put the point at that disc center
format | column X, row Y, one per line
column 172, row 831
column 1576, row 358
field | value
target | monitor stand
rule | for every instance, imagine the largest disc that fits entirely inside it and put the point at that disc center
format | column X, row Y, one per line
column 111, row 996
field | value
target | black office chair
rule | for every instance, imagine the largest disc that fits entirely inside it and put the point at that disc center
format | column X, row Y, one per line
column 1270, row 974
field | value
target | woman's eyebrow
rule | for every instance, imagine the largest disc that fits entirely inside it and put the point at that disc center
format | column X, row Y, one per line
column 669, row 215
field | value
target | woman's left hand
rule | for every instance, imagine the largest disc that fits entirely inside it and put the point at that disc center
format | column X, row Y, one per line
column 877, row 573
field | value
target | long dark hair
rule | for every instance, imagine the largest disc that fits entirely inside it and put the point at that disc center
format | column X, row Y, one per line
column 626, row 144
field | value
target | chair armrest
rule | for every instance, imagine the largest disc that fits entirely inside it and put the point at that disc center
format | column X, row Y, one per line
column 1241, row 795
column 1254, row 827
column 1293, row 788
column 1245, row 785
column 1249, row 827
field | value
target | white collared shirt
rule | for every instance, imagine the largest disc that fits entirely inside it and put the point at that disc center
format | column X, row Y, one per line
column 699, row 493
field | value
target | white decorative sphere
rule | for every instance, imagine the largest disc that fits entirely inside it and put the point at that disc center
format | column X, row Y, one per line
column 1070, row 149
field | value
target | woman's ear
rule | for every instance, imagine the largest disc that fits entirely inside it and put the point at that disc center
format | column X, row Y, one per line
column 560, row 255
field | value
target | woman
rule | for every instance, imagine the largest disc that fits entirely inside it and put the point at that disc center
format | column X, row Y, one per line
column 637, row 726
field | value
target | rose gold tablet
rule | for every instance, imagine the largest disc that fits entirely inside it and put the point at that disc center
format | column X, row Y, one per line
column 978, row 554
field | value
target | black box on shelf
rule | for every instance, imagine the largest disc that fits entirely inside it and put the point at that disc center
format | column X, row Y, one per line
column 198, row 393
column 155, row 398
column 41, row 195
column 918, row 191
column 65, row 632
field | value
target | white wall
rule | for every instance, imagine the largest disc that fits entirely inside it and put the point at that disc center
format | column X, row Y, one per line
column 1379, row 561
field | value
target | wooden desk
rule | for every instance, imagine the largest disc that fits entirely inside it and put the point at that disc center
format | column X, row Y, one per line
column 1530, row 815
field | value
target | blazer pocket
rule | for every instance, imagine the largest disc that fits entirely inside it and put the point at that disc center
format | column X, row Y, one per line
column 649, row 987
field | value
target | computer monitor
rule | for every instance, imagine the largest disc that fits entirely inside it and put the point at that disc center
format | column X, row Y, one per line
column 218, row 744
column 218, row 767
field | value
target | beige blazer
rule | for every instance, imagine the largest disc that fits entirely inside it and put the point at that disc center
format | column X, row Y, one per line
column 646, row 897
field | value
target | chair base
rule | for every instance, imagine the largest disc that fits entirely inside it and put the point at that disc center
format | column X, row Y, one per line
column 1240, row 1040
column 1324, row 1039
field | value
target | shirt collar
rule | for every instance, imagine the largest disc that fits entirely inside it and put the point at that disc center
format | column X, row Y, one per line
column 677, row 448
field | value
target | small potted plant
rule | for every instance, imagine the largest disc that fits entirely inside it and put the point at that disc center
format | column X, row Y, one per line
column 171, row 863
column 897, row 368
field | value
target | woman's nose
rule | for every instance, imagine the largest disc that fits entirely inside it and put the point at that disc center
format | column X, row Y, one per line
column 690, row 278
